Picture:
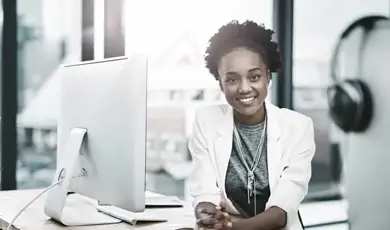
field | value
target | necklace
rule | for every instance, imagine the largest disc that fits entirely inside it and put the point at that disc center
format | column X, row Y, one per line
column 250, row 170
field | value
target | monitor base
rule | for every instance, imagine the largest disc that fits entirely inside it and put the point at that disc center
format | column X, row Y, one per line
column 77, row 215
column 57, row 205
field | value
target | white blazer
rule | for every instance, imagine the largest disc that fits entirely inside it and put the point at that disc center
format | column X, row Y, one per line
column 290, row 149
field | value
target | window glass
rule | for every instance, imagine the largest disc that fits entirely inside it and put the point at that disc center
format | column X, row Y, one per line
column 48, row 29
column 172, row 33
column 175, row 39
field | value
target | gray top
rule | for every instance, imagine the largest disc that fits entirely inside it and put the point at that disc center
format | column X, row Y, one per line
column 236, row 175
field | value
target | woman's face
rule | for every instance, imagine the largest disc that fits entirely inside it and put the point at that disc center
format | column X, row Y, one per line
column 244, row 78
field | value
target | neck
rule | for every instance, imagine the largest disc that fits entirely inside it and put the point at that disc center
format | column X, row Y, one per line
column 254, row 119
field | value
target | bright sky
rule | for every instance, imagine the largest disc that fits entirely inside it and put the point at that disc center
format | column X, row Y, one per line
column 154, row 24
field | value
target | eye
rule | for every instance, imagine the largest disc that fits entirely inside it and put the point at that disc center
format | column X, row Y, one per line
column 255, row 77
column 231, row 80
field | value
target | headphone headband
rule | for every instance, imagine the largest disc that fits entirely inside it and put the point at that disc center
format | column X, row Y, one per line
column 367, row 23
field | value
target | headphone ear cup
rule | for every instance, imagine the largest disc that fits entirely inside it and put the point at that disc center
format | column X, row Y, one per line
column 364, row 116
column 350, row 105
column 341, row 107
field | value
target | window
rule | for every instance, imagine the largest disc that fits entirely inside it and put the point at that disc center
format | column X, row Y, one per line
column 175, row 39
column 317, row 25
column 45, row 34
column 67, row 31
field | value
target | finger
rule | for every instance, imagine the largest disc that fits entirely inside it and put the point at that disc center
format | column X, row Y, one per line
column 206, row 227
column 204, row 216
column 206, row 221
column 222, row 204
column 218, row 226
column 226, row 216
column 208, row 211
column 223, row 221
column 222, row 216
column 227, row 224
column 202, row 226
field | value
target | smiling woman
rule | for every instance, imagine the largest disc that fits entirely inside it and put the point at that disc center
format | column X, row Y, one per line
column 244, row 80
column 242, row 57
column 252, row 160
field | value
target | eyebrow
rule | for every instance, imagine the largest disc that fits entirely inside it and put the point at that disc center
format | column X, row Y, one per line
column 251, row 70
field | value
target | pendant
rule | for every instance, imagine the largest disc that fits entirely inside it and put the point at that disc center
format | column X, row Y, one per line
column 251, row 179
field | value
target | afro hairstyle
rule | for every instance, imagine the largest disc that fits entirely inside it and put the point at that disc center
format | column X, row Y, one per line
column 248, row 34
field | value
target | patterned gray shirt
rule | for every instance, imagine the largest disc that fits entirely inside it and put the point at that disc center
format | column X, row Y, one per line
column 236, row 175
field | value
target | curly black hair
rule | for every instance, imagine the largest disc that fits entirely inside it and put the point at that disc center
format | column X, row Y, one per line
column 248, row 34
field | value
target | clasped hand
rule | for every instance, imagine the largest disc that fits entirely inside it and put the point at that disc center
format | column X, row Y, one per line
column 214, row 218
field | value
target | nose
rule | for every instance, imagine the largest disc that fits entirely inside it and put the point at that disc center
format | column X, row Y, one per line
column 244, row 87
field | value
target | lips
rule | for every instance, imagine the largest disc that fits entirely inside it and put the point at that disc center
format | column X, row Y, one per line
column 247, row 100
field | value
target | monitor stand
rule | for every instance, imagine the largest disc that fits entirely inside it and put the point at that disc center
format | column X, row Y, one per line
column 74, row 214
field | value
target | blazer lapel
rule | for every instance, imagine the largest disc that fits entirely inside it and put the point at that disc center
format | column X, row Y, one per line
column 274, row 150
column 223, row 145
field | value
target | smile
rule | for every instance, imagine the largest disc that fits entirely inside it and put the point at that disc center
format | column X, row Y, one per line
column 247, row 100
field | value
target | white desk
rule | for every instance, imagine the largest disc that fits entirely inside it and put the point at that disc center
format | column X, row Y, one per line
column 35, row 219
column 11, row 202
column 318, row 213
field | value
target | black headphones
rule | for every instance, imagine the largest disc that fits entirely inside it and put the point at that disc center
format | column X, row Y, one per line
column 350, row 101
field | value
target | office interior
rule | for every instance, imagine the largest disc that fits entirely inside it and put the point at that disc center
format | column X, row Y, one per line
column 41, row 35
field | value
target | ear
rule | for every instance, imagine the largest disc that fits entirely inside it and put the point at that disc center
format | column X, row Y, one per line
column 269, row 76
column 269, row 85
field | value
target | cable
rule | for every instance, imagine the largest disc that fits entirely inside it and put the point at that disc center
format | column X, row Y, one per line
column 36, row 198
column 32, row 201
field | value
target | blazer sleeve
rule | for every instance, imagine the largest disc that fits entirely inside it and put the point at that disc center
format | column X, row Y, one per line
column 202, row 181
column 292, row 186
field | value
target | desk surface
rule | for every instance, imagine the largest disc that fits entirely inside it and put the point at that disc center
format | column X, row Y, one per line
column 34, row 218
column 11, row 202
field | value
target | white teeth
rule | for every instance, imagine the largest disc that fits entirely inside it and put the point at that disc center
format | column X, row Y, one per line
column 247, row 100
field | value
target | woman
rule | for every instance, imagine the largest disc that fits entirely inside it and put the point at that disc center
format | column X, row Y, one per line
column 252, row 160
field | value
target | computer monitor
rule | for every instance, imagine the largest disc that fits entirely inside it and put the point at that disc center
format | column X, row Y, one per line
column 101, row 138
